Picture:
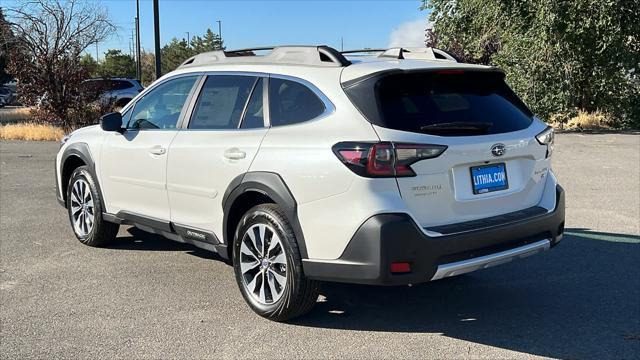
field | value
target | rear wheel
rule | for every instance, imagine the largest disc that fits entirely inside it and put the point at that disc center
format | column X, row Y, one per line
column 268, row 266
column 85, row 210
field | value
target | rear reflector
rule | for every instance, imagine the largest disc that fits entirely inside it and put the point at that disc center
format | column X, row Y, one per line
column 384, row 159
column 400, row 267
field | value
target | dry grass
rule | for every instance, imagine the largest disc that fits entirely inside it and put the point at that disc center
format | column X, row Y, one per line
column 596, row 120
column 30, row 131
column 590, row 121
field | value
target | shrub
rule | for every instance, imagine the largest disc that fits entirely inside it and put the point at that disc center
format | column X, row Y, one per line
column 596, row 120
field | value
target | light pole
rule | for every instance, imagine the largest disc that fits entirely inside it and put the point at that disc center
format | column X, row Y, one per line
column 138, row 60
column 220, row 32
column 156, row 30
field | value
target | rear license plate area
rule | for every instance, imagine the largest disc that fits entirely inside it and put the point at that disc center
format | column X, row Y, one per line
column 488, row 178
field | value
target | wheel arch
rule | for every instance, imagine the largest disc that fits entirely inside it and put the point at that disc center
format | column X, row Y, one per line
column 254, row 188
column 74, row 156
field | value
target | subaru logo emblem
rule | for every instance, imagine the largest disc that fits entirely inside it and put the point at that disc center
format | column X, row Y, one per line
column 498, row 150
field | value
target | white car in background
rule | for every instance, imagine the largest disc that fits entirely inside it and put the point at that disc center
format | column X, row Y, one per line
column 305, row 165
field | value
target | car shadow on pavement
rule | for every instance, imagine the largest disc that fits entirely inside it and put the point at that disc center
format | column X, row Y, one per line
column 579, row 300
column 141, row 240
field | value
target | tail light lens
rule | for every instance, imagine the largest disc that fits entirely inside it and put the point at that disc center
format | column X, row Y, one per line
column 547, row 137
column 384, row 159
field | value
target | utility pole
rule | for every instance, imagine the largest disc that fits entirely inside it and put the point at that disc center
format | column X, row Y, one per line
column 138, row 59
column 341, row 43
column 220, row 32
column 188, row 39
column 156, row 30
column 97, row 53
column 132, row 47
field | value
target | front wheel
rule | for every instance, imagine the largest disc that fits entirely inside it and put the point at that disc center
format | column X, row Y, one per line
column 85, row 211
column 268, row 266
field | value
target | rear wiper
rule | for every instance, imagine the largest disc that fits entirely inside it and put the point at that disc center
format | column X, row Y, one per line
column 458, row 126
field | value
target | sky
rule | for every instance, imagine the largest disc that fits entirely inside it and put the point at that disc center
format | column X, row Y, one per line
column 361, row 23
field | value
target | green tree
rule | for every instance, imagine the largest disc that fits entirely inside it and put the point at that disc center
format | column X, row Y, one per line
column 178, row 51
column 117, row 64
column 89, row 64
column 175, row 53
column 560, row 56
column 208, row 42
column 6, row 44
column 148, row 65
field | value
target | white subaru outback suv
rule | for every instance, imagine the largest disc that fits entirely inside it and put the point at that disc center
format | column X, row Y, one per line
column 305, row 165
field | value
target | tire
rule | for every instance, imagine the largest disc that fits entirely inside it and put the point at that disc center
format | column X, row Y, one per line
column 279, row 299
column 85, row 210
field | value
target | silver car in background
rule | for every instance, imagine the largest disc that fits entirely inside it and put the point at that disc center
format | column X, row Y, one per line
column 111, row 91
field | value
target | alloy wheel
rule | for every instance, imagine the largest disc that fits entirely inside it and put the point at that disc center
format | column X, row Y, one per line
column 82, row 210
column 263, row 264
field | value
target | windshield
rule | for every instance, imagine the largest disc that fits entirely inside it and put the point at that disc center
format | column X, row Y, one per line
column 445, row 102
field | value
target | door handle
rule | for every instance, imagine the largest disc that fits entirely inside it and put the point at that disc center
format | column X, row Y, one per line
column 158, row 150
column 234, row 154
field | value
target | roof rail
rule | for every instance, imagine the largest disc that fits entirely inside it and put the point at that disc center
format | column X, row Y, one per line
column 295, row 54
column 418, row 53
column 356, row 51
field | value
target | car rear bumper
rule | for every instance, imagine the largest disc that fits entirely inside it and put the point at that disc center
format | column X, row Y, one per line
column 395, row 238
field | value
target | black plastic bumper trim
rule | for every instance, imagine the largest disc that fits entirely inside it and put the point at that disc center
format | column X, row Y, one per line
column 489, row 222
column 387, row 238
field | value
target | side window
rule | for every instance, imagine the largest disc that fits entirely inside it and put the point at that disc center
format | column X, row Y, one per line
column 291, row 102
column 120, row 85
column 254, row 116
column 161, row 107
column 221, row 102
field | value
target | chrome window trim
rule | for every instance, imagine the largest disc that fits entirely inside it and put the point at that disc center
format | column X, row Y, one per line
column 187, row 110
column 265, row 102
column 329, row 108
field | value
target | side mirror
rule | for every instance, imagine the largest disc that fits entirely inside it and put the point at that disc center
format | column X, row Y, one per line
column 111, row 122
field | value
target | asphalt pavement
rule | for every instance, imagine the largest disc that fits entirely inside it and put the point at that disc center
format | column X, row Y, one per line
column 147, row 297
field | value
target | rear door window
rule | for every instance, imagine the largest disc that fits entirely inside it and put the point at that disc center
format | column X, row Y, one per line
column 221, row 102
column 254, row 115
column 291, row 102
column 446, row 103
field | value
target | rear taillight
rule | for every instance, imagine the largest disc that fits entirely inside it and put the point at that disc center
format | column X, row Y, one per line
column 547, row 137
column 384, row 159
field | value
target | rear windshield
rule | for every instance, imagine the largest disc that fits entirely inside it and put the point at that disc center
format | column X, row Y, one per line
column 446, row 102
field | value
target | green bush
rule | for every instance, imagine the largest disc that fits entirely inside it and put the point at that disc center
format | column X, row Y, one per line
column 561, row 57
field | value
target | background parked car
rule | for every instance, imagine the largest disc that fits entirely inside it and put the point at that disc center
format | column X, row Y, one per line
column 115, row 91
column 6, row 96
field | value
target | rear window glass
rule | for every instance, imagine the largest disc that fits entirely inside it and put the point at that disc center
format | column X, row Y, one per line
column 446, row 103
column 291, row 102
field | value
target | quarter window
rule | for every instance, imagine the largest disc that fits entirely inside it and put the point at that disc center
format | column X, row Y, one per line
column 221, row 102
column 291, row 102
column 161, row 107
